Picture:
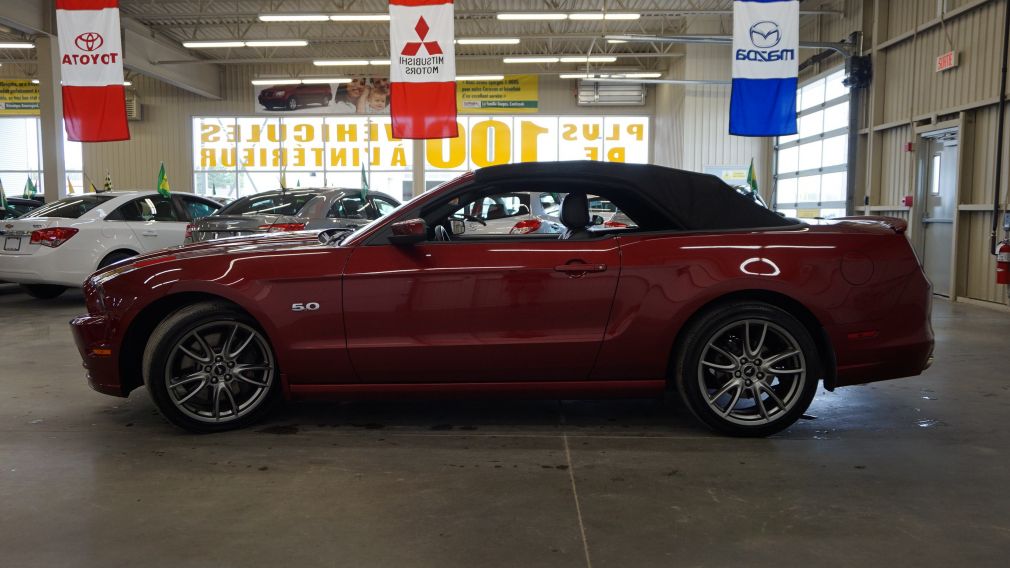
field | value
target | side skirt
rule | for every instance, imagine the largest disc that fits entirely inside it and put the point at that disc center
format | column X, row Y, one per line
column 545, row 389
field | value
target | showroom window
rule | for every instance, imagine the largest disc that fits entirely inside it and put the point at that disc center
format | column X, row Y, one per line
column 810, row 167
column 237, row 156
column 22, row 156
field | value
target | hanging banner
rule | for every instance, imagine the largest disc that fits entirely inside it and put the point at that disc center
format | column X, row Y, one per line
column 18, row 97
column 362, row 95
column 513, row 94
column 423, row 70
column 766, row 35
column 91, row 55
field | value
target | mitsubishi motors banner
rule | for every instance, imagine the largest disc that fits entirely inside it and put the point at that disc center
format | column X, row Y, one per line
column 766, row 35
column 91, row 56
column 423, row 70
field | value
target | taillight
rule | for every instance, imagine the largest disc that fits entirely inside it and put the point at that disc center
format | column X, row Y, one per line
column 614, row 224
column 282, row 227
column 189, row 231
column 526, row 226
column 53, row 237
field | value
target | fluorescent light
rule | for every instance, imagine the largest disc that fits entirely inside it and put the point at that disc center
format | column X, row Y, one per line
column 617, row 41
column 276, row 81
column 575, row 76
column 277, row 43
column 378, row 62
column 589, row 59
column 360, row 18
column 35, row 81
column 480, row 77
column 488, row 41
column 530, row 60
column 532, row 16
column 332, row 62
column 211, row 44
column 17, row 45
column 640, row 75
column 127, row 83
column 294, row 18
column 325, row 81
column 602, row 16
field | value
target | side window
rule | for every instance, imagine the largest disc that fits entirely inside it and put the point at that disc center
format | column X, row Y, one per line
column 150, row 208
column 382, row 207
column 197, row 209
column 349, row 208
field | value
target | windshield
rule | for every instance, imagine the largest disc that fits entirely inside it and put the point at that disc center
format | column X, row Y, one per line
column 70, row 207
column 269, row 204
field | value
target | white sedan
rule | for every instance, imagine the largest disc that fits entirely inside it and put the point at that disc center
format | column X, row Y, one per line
column 60, row 244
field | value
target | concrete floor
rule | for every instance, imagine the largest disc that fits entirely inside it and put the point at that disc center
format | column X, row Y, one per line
column 910, row 472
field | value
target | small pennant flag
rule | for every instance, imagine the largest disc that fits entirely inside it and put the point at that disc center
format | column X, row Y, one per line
column 752, row 180
column 284, row 180
column 163, row 187
column 30, row 189
column 92, row 188
column 3, row 197
column 364, row 183
column 70, row 186
column 107, row 186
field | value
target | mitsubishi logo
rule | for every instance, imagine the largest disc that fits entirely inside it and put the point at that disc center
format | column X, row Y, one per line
column 765, row 35
column 412, row 47
column 89, row 41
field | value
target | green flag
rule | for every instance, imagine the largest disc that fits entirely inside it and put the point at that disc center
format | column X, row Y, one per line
column 30, row 189
column 3, row 197
column 751, row 178
column 284, row 180
column 163, row 187
column 70, row 186
column 107, row 186
column 364, row 182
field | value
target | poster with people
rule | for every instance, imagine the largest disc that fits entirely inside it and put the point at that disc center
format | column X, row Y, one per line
column 362, row 95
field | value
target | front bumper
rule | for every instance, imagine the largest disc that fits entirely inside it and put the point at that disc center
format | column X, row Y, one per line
column 98, row 354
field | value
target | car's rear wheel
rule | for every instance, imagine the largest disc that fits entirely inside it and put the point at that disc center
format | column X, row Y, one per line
column 293, row 103
column 43, row 291
column 209, row 367
column 748, row 369
column 115, row 257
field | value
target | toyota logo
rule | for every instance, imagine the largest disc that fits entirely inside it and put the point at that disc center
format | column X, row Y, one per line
column 89, row 41
column 765, row 34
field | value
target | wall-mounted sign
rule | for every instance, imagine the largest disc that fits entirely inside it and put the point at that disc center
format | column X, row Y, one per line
column 514, row 94
column 18, row 97
column 346, row 143
column 362, row 95
column 946, row 61
column 732, row 175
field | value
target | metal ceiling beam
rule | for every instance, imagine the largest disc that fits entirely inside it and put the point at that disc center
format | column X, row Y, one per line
column 843, row 48
column 27, row 17
column 141, row 49
column 460, row 14
column 248, row 60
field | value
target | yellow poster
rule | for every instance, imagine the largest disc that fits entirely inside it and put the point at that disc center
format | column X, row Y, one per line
column 18, row 97
column 514, row 94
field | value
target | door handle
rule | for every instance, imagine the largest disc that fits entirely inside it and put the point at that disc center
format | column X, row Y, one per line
column 150, row 233
column 579, row 269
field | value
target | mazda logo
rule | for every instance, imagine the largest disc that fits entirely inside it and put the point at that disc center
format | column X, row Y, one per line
column 765, row 34
column 90, row 41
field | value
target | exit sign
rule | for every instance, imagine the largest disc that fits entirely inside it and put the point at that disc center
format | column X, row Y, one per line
column 946, row 61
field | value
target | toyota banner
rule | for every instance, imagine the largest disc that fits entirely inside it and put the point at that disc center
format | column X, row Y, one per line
column 766, row 37
column 91, row 57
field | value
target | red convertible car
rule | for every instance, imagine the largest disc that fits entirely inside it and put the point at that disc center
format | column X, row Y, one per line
column 739, row 310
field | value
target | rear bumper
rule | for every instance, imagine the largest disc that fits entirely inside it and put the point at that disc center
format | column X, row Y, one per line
column 98, row 354
column 43, row 267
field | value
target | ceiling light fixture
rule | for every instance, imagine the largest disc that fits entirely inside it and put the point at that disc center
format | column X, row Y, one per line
column 251, row 43
column 645, row 75
column 342, row 62
column 480, row 77
column 325, row 81
column 379, row 62
column 589, row 59
column 532, row 16
column 530, row 60
column 604, row 16
column 277, row 43
column 360, row 17
column 35, row 81
column 211, row 44
column 278, row 81
column 17, row 45
column 575, row 76
column 294, row 18
column 310, row 81
column 488, row 41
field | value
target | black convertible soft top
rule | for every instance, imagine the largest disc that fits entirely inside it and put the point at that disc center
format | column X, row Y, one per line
column 688, row 200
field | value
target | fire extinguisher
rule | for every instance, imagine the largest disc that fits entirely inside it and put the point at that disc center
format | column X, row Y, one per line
column 1003, row 263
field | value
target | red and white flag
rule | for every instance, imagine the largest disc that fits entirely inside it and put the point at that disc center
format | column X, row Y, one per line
column 423, row 71
column 91, row 52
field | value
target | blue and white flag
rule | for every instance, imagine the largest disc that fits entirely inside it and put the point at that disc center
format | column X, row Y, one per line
column 766, row 40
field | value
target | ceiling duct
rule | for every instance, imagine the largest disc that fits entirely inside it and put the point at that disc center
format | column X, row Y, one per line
column 591, row 93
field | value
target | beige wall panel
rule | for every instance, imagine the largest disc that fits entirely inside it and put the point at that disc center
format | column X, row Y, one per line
column 895, row 163
column 981, row 281
column 904, row 15
column 983, row 159
column 899, row 83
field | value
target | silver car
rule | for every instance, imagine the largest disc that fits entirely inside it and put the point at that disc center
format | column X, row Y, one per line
column 292, row 210
column 516, row 213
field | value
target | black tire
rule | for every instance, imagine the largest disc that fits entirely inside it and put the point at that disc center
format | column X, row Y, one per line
column 292, row 103
column 719, row 335
column 43, row 291
column 115, row 257
column 163, row 349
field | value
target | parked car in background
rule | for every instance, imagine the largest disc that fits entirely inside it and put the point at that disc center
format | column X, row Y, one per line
column 751, row 194
column 515, row 213
column 293, row 97
column 59, row 244
column 292, row 210
column 17, row 206
column 743, row 312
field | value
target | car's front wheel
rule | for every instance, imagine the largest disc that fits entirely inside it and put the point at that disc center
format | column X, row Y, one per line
column 43, row 291
column 209, row 367
column 293, row 103
column 748, row 369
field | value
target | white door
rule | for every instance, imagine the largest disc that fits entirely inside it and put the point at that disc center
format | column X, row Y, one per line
column 938, row 209
column 155, row 222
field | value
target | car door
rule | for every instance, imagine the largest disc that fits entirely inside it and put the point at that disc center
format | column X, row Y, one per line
column 507, row 308
column 154, row 220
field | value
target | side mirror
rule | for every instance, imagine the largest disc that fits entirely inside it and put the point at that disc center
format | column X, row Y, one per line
column 458, row 226
column 409, row 232
column 596, row 220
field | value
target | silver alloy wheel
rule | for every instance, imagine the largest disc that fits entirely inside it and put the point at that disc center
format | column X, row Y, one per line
column 752, row 372
column 219, row 372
